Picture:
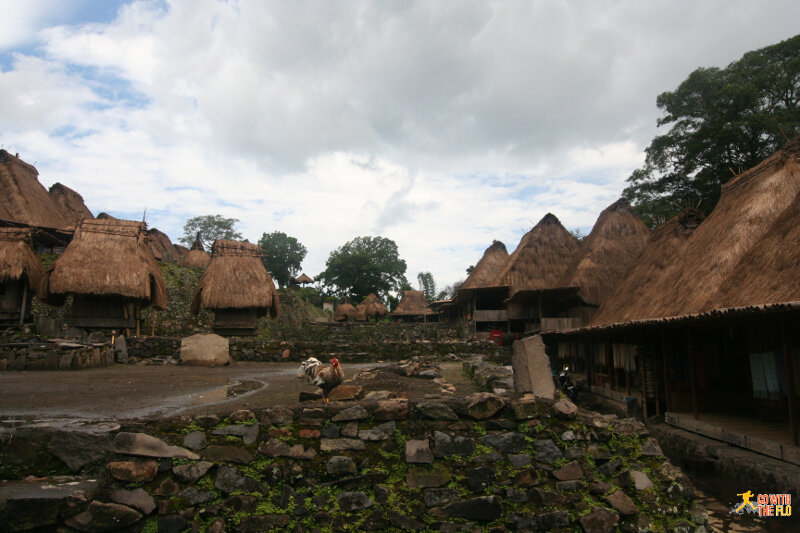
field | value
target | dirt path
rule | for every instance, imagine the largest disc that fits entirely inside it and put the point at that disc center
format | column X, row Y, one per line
column 129, row 392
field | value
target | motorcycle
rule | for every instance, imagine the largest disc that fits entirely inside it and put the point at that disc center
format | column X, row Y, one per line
column 565, row 383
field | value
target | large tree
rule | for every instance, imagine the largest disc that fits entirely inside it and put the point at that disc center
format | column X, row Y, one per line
column 209, row 228
column 427, row 285
column 362, row 266
column 723, row 121
column 282, row 255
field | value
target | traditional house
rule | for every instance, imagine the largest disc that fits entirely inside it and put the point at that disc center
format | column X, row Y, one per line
column 237, row 288
column 604, row 257
column 110, row 274
column 20, row 274
column 711, row 334
column 160, row 246
column 372, row 307
column 71, row 204
column 492, row 262
column 345, row 312
column 196, row 257
column 303, row 279
column 413, row 308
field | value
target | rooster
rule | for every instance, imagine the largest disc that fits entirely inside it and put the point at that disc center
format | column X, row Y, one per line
column 326, row 378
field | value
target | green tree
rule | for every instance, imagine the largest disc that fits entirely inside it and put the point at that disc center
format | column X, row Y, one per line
column 282, row 255
column 209, row 228
column 427, row 285
column 723, row 121
column 364, row 265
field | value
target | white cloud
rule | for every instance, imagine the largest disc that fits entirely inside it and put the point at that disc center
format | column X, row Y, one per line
column 441, row 125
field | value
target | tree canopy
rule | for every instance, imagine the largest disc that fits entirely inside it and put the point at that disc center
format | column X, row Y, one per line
column 282, row 256
column 364, row 265
column 723, row 121
column 427, row 285
column 209, row 228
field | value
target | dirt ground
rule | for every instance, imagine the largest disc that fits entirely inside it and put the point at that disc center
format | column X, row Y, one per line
column 135, row 392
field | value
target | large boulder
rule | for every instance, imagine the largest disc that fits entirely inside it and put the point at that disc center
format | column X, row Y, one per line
column 531, row 367
column 205, row 350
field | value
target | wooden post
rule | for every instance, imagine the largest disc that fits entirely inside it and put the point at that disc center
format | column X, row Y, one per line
column 692, row 373
column 24, row 301
column 613, row 367
column 153, row 323
column 791, row 386
column 627, row 374
column 666, row 372
column 125, row 316
column 540, row 311
column 138, row 320
column 644, row 378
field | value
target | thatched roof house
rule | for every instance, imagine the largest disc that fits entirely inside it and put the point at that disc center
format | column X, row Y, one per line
column 196, row 257
column 372, row 307
column 111, row 273
column 413, row 306
column 494, row 259
column 70, row 202
column 541, row 258
column 345, row 311
column 607, row 253
column 303, row 279
column 237, row 287
column 25, row 200
column 20, row 274
column 662, row 248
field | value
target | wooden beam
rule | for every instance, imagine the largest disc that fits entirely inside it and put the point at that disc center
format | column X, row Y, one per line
column 791, row 386
column 24, row 301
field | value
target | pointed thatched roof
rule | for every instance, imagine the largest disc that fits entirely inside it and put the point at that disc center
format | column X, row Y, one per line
column 303, row 279
column 196, row 257
column 605, row 256
column 25, row 200
column 70, row 202
column 541, row 258
column 236, row 279
column 17, row 260
column 630, row 297
column 494, row 259
column 345, row 311
column 413, row 304
column 372, row 307
column 106, row 258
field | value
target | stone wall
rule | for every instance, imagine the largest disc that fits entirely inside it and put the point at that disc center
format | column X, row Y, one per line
column 382, row 464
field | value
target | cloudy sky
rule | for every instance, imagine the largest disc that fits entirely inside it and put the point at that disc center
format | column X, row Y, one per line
column 439, row 124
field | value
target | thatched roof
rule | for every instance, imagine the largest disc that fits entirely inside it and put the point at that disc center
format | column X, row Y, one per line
column 106, row 258
column 344, row 311
column 70, row 202
column 25, row 200
column 236, row 279
column 605, row 256
column 541, row 258
column 373, row 307
column 755, row 210
column 494, row 259
column 17, row 260
column 662, row 248
column 413, row 304
column 303, row 278
column 196, row 259
column 160, row 245
column 178, row 253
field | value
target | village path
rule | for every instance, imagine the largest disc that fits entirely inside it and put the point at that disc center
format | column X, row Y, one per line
column 134, row 392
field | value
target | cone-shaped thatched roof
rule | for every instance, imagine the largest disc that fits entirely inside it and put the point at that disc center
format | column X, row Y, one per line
column 344, row 311
column 663, row 247
column 71, row 203
column 373, row 307
column 541, row 258
column 413, row 304
column 486, row 271
column 303, row 278
column 196, row 257
column 17, row 260
column 607, row 253
column 25, row 200
column 236, row 279
column 106, row 258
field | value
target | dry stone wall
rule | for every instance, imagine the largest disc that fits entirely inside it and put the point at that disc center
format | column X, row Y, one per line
column 439, row 464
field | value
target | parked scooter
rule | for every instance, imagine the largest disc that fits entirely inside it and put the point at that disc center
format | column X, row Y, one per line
column 565, row 383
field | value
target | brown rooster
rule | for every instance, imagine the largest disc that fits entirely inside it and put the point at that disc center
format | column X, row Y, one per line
column 326, row 378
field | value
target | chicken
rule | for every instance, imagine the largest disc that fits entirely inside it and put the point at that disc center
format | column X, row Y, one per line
column 326, row 378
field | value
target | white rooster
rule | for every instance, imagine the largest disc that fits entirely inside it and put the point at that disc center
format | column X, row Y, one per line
column 326, row 378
